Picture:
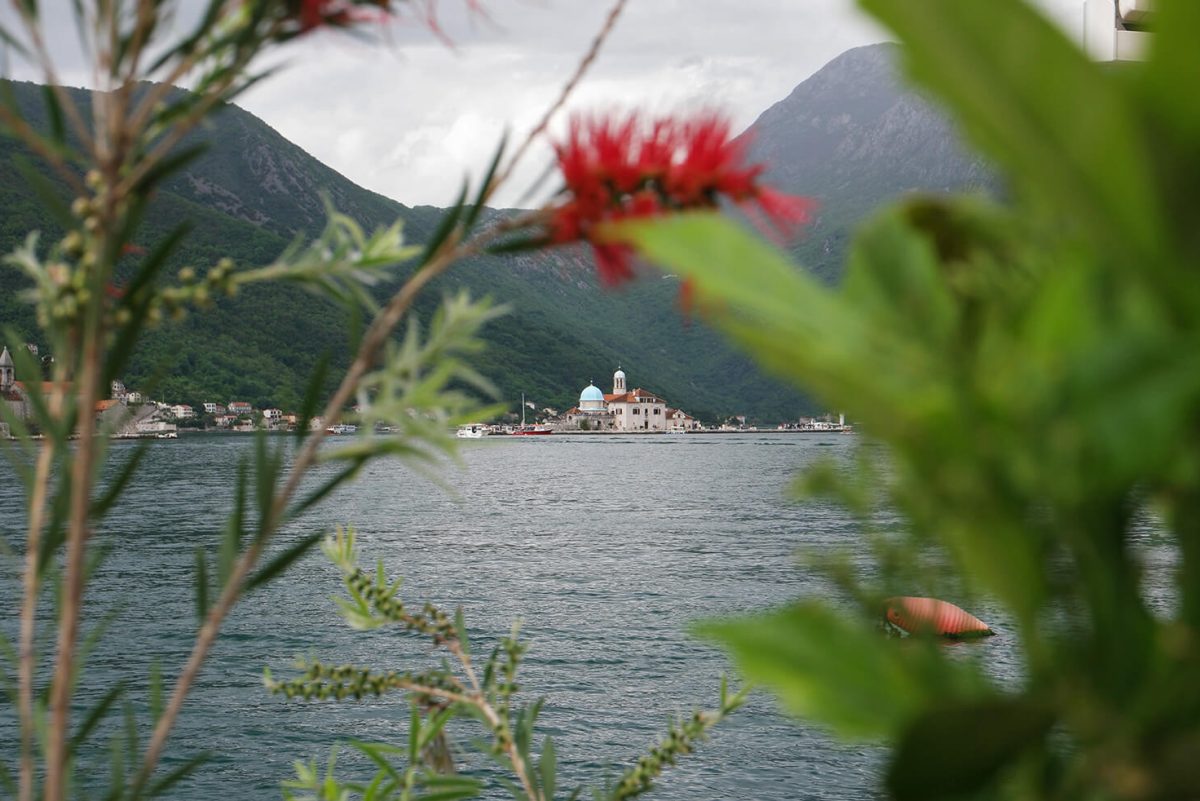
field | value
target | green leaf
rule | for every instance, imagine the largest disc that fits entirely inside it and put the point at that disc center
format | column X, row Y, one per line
column 47, row 192
column 312, row 395
column 337, row 479
column 137, row 301
column 282, row 561
column 177, row 775
column 450, row 219
column 156, row 691
column 977, row 57
column 105, row 502
column 460, row 627
column 55, row 113
column 94, row 716
column 477, row 206
column 201, row 584
column 838, row 670
column 954, row 750
column 171, row 163
column 548, row 769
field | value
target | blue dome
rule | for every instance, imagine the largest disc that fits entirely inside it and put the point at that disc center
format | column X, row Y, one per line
column 591, row 393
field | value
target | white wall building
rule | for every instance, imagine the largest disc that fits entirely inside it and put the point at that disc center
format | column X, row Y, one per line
column 625, row 410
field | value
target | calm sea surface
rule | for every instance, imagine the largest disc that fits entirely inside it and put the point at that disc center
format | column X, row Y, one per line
column 607, row 548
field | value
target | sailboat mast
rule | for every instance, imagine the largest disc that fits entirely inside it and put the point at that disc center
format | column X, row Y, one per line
column 522, row 410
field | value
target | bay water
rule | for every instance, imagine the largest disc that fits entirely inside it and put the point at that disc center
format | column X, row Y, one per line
column 606, row 548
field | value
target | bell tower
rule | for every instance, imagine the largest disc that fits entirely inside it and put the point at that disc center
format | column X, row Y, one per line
column 7, row 378
column 619, row 382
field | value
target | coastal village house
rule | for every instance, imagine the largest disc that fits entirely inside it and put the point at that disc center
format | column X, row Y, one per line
column 10, row 392
column 625, row 410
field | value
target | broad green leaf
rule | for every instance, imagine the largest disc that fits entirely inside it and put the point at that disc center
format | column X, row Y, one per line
column 842, row 672
column 1036, row 103
column 956, row 749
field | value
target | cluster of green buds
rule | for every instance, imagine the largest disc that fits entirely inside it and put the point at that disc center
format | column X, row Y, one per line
column 430, row 621
column 338, row 682
column 199, row 291
column 680, row 740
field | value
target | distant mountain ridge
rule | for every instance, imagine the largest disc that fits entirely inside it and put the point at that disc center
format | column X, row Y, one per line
column 849, row 136
column 853, row 136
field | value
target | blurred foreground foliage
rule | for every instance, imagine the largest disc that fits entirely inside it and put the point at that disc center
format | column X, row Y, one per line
column 1033, row 368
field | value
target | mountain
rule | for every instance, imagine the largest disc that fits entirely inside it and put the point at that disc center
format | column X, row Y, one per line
column 853, row 136
column 836, row 137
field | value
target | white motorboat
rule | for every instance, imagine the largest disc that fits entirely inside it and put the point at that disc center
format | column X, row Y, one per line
column 473, row 431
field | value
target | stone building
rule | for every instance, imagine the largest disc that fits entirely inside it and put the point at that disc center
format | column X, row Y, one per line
column 626, row 410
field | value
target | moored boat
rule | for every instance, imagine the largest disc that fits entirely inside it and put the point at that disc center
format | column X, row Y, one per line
column 526, row 431
column 473, row 431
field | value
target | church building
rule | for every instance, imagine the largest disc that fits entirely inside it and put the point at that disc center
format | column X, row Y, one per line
column 11, row 391
column 626, row 410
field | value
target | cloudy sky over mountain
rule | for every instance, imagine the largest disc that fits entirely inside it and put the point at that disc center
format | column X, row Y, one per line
column 408, row 116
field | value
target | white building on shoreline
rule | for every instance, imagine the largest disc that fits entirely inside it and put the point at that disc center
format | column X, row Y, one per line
column 625, row 410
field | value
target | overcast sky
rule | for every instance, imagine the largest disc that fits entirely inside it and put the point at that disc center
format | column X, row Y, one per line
column 408, row 116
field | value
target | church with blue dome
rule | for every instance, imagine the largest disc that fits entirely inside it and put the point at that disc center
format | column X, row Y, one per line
column 623, row 410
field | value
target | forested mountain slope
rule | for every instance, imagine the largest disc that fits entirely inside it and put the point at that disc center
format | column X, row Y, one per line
column 834, row 138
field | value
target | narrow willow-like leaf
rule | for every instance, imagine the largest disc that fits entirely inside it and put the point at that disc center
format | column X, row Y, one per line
column 378, row 753
column 266, row 473
column 104, row 503
column 156, row 691
column 136, row 300
column 316, row 496
column 460, row 627
column 282, row 561
column 175, row 776
column 477, row 206
column 450, row 218
column 312, row 395
column 46, row 191
column 170, row 164
column 132, row 739
column 6, row 781
column 94, row 716
column 548, row 769
column 201, row 584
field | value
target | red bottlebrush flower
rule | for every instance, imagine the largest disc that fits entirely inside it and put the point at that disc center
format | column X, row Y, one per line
column 619, row 168
column 312, row 14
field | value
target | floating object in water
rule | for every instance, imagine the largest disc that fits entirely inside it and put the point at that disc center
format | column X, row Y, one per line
column 929, row 615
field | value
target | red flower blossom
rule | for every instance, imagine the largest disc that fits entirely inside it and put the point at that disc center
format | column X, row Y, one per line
column 625, row 167
column 310, row 14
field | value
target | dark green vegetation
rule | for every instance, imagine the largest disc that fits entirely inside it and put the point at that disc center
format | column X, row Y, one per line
column 848, row 136
column 1033, row 371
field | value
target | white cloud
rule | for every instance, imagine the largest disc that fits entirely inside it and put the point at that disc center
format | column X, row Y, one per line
column 407, row 116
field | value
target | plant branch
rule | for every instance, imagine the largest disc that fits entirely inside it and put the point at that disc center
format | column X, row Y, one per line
column 37, row 513
column 567, row 90
column 77, row 536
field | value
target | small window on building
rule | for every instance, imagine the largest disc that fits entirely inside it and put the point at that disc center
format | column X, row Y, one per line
column 635, row 410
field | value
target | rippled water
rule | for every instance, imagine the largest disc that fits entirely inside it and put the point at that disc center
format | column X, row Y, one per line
column 607, row 548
